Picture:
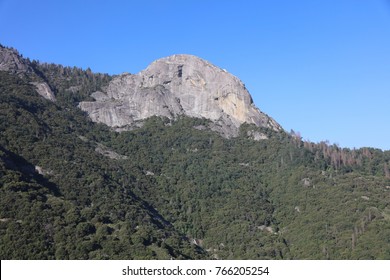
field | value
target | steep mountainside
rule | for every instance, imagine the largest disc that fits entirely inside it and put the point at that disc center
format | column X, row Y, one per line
column 72, row 188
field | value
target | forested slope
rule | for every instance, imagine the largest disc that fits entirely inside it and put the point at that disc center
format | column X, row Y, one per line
column 73, row 189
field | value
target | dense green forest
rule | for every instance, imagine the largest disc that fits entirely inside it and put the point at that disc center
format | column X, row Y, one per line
column 74, row 189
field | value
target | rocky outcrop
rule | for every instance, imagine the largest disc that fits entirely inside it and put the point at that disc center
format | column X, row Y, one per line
column 174, row 86
column 44, row 90
column 11, row 61
column 107, row 152
column 256, row 135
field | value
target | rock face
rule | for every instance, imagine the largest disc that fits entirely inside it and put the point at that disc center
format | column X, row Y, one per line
column 44, row 90
column 174, row 86
column 12, row 62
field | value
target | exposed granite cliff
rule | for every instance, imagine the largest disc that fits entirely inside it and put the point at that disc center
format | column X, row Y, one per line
column 174, row 86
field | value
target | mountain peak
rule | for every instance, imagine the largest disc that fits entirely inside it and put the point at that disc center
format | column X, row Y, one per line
column 178, row 63
column 181, row 58
column 178, row 85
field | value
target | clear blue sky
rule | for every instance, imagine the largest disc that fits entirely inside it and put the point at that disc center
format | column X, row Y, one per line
column 320, row 67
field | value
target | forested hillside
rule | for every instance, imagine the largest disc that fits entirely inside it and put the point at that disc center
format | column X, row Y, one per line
column 74, row 189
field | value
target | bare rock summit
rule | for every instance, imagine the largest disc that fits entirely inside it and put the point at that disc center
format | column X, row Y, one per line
column 178, row 85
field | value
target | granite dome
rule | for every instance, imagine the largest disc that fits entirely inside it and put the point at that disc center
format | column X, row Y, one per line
column 178, row 85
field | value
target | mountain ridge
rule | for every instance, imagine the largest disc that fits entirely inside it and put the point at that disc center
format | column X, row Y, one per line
column 172, row 86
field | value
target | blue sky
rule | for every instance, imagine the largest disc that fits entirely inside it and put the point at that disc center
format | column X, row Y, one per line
column 319, row 67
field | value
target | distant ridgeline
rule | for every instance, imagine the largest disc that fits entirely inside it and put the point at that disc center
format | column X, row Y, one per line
column 175, row 162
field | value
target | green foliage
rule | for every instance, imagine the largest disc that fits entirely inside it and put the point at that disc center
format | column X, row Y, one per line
column 176, row 191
